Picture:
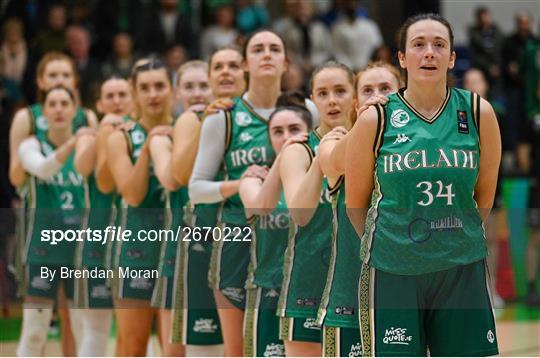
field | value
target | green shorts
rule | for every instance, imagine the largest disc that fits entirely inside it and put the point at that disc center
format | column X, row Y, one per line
column 195, row 318
column 299, row 329
column 261, row 325
column 92, row 293
column 40, row 283
column 448, row 313
column 229, row 269
column 140, row 288
column 341, row 342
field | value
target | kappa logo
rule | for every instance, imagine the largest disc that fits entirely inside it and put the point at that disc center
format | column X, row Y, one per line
column 399, row 118
column 272, row 293
column 490, row 336
column 41, row 123
column 402, row 138
column 243, row 119
column 198, row 247
column 245, row 137
column 205, row 325
column 397, row 336
column 274, row 350
column 137, row 137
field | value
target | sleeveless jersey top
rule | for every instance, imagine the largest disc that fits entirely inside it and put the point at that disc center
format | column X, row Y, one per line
column 54, row 204
column 246, row 143
column 339, row 306
column 307, row 255
column 423, row 217
column 148, row 216
column 268, row 244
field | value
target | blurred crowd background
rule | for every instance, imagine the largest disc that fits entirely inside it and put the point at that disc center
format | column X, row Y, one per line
column 106, row 37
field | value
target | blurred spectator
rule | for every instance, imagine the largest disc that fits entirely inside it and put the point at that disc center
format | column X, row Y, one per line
column 19, row 61
column 32, row 13
column 160, row 27
column 113, row 17
column 384, row 54
column 250, row 17
column 52, row 38
column 513, row 49
column 11, row 99
column 485, row 44
column 530, row 162
column 78, row 44
column 295, row 78
column 304, row 35
column 349, row 31
column 174, row 58
column 337, row 10
column 221, row 34
column 14, row 51
column 122, row 60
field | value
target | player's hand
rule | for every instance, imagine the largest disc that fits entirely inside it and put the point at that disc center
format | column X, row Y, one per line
column 111, row 120
column 335, row 134
column 297, row 138
column 255, row 171
column 220, row 104
column 373, row 100
column 86, row 131
column 199, row 107
column 163, row 130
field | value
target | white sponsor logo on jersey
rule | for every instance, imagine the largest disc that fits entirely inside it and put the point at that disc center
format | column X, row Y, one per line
column 311, row 323
column 397, row 336
column 399, row 118
column 234, row 293
column 205, row 325
column 140, row 283
column 41, row 123
column 402, row 138
column 356, row 350
column 100, row 291
column 274, row 350
column 40, row 283
column 243, row 119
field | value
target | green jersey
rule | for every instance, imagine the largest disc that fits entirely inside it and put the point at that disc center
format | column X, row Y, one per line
column 147, row 217
column 40, row 125
column 99, row 213
column 268, row 246
column 177, row 202
column 247, row 143
column 423, row 217
column 55, row 203
column 307, row 255
column 339, row 306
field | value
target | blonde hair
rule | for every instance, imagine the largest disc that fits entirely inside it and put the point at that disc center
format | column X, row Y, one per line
column 377, row 64
column 190, row 65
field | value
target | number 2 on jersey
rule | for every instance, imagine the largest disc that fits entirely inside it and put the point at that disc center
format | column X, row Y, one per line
column 67, row 200
column 443, row 192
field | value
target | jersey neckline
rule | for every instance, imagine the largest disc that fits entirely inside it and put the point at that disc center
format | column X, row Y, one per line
column 437, row 114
